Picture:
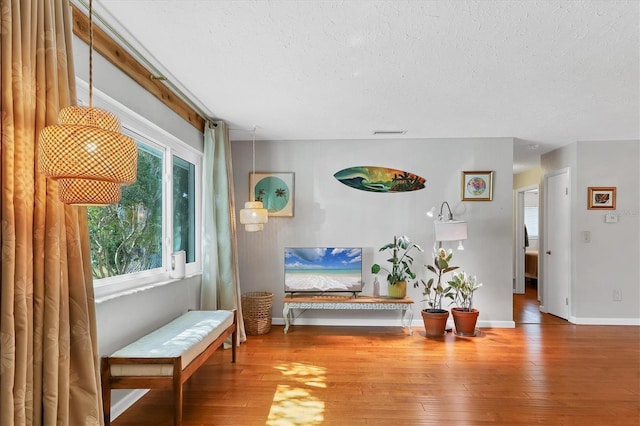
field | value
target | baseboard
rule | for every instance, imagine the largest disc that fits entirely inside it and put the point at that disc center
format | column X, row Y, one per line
column 129, row 399
column 604, row 321
column 380, row 322
column 496, row 324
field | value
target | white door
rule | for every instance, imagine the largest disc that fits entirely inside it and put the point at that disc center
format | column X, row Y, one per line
column 557, row 247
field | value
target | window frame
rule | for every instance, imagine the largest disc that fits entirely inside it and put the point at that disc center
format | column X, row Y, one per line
column 144, row 131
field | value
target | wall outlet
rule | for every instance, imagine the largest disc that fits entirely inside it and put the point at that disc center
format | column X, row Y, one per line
column 617, row 295
column 611, row 218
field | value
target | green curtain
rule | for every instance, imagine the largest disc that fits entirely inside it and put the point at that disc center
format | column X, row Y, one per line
column 220, row 276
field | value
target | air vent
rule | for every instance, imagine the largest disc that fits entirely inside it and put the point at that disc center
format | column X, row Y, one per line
column 389, row 132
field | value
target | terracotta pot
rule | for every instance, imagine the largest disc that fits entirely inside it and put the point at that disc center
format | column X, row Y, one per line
column 435, row 323
column 398, row 290
column 465, row 321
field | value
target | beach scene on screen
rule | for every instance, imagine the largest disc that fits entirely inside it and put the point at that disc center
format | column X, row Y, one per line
column 323, row 269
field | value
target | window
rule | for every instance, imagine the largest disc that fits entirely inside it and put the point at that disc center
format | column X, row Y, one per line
column 184, row 232
column 531, row 213
column 132, row 242
column 127, row 237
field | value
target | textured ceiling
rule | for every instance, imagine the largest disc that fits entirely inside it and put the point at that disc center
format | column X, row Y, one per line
column 548, row 73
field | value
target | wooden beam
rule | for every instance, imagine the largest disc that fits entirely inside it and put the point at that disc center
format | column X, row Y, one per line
column 115, row 54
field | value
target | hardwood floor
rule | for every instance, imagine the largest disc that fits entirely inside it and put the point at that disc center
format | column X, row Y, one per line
column 550, row 372
column 526, row 308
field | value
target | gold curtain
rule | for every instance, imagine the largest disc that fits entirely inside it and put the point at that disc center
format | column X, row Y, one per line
column 48, row 346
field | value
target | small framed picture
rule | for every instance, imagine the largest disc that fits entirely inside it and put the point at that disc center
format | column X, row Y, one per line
column 602, row 198
column 477, row 186
column 275, row 190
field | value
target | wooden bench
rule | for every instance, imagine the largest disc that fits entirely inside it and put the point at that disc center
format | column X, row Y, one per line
column 168, row 356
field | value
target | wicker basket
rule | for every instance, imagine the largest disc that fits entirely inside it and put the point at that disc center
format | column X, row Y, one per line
column 256, row 312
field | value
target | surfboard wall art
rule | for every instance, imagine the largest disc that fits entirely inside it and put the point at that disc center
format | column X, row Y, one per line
column 379, row 179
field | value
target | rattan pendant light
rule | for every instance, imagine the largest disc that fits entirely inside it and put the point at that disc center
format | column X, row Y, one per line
column 254, row 215
column 86, row 153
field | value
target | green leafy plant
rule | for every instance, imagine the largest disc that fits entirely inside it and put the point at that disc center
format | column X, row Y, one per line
column 464, row 286
column 125, row 236
column 400, row 260
column 434, row 290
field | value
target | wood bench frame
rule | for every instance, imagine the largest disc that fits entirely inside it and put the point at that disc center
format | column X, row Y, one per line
column 173, row 382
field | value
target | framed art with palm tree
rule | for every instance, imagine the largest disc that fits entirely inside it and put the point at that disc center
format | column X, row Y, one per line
column 275, row 190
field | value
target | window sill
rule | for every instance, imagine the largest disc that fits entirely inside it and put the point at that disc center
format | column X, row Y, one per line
column 113, row 291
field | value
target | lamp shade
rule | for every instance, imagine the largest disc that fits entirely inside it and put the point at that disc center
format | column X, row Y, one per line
column 253, row 216
column 453, row 230
column 86, row 145
column 88, row 192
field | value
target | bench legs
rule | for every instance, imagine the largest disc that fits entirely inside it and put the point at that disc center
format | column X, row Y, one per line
column 234, row 336
column 287, row 319
column 106, row 391
column 177, row 391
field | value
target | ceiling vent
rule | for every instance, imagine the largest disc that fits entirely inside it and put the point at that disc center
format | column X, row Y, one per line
column 389, row 132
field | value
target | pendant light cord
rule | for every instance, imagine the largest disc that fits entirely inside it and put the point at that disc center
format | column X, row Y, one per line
column 90, row 53
column 254, row 150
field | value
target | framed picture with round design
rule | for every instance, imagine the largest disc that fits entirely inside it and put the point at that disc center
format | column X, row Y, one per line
column 275, row 190
column 477, row 186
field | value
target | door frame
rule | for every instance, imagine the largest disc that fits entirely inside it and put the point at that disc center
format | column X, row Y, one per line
column 519, row 248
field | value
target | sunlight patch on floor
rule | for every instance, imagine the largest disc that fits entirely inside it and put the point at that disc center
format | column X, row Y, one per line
column 310, row 375
column 294, row 404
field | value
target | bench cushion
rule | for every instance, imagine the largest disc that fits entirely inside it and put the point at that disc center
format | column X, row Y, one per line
column 186, row 336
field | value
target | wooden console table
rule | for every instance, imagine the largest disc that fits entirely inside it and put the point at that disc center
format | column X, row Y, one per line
column 305, row 301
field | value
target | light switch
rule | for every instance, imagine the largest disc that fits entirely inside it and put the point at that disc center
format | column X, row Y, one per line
column 611, row 218
column 586, row 236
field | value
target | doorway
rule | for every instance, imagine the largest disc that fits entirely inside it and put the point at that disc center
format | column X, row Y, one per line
column 528, row 283
column 526, row 306
column 527, row 238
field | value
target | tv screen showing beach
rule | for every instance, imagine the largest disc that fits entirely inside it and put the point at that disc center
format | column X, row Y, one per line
column 322, row 269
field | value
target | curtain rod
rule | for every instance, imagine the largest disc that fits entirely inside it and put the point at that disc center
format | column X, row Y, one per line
column 139, row 56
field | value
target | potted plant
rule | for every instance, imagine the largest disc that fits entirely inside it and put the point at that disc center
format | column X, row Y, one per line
column 464, row 315
column 434, row 317
column 401, row 263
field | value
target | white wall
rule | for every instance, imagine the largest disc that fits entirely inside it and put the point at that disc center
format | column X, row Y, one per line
column 610, row 260
column 328, row 213
column 117, row 85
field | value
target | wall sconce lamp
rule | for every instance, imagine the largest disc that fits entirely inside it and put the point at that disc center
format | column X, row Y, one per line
column 448, row 229
column 254, row 215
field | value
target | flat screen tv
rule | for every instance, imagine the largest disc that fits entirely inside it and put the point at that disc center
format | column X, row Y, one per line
column 322, row 269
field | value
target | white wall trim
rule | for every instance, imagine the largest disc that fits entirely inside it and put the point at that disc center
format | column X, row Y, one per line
column 496, row 324
column 605, row 321
column 127, row 401
column 381, row 322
